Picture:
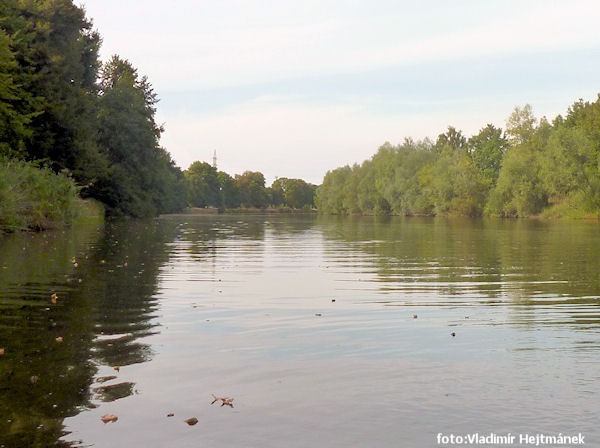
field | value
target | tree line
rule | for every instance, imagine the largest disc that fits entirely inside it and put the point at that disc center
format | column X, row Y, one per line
column 63, row 110
column 532, row 167
column 208, row 187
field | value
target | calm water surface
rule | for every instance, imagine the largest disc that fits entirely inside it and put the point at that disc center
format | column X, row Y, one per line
column 308, row 323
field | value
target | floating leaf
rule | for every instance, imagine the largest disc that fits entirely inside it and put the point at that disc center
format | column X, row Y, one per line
column 117, row 368
column 59, row 339
column 227, row 402
column 224, row 401
column 1, row 351
column 191, row 421
column 54, row 298
column 109, row 418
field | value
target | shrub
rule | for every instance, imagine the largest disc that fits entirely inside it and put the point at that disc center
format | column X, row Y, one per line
column 34, row 198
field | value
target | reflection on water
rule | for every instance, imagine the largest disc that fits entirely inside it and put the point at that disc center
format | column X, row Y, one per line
column 327, row 331
column 104, row 279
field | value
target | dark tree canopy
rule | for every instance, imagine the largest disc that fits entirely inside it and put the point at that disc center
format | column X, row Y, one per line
column 59, row 106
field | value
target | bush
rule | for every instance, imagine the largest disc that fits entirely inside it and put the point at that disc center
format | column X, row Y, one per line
column 34, row 198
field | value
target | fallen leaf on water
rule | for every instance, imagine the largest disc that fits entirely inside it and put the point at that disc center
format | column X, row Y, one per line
column 191, row 421
column 59, row 339
column 1, row 351
column 117, row 368
column 224, row 401
column 109, row 418
column 54, row 298
column 227, row 401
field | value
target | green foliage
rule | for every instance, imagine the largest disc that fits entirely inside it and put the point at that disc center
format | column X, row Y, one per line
column 455, row 185
column 536, row 168
column 208, row 188
column 55, row 50
column 13, row 123
column 35, row 198
column 520, row 125
column 585, row 116
column 252, row 189
column 330, row 195
column 203, row 185
column 54, row 110
column 140, row 179
column 452, row 138
column 229, row 191
column 293, row 193
column 487, row 151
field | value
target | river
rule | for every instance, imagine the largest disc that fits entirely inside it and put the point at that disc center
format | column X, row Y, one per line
column 325, row 331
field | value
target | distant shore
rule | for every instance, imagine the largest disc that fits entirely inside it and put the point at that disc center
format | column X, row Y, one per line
column 252, row 210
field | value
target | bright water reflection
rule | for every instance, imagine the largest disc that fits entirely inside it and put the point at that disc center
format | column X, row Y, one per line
column 308, row 322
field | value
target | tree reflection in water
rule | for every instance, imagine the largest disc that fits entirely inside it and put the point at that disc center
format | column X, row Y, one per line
column 105, row 279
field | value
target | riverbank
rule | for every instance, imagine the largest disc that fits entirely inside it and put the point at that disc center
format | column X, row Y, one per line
column 36, row 198
column 244, row 210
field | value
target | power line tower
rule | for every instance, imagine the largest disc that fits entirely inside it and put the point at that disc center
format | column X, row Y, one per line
column 215, row 159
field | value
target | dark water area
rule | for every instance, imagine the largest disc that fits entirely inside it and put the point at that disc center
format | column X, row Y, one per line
column 326, row 331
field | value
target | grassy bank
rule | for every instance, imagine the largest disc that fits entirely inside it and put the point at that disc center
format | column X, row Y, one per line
column 34, row 198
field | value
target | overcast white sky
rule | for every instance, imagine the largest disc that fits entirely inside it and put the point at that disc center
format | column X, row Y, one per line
column 296, row 88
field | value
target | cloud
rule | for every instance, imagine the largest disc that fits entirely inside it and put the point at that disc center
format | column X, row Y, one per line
column 194, row 44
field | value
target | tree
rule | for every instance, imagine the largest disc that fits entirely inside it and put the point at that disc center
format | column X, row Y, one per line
column 330, row 195
column 586, row 116
column 294, row 193
column 138, row 168
column 454, row 185
column 487, row 151
column 252, row 189
column 14, row 121
column 229, row 191
column 203, row 185
column 570, row 167
column 520, row 125
column 520, row 189
column 55, row 49
column 451, row 138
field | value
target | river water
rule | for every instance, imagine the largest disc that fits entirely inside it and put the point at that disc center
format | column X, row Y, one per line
column 326, row 332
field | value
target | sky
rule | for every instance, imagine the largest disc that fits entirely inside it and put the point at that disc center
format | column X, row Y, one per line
column 297, row 88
